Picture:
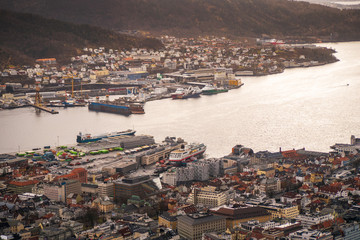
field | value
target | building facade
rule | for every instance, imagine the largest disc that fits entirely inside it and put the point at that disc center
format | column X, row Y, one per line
column 192, row 226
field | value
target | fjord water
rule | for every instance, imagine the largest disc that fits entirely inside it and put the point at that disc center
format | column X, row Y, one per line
column 303, row 107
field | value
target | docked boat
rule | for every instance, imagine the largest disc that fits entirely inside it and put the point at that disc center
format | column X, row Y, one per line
column 178, row 94
column 66, row 103
column 136, row 108
column 110, row 108
column 191, row 92
column 84, row 138
column 118, row 106
column 187, row 153
column 210, row 90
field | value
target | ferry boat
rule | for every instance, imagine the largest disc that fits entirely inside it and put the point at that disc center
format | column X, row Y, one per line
column 84, row 138
column 187, row 153
column 210, row 90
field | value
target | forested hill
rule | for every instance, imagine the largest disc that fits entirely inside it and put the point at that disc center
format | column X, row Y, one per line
column 26, row 37
column 201, row 17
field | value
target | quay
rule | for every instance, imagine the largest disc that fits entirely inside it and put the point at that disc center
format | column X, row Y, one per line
column 52, row 111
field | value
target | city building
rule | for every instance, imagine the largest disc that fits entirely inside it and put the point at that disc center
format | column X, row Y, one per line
column 192, row 226
column 168, row 221
column 306, row 234
column 106, row 189
column 281, row 211
column 238, row 214
column 79, row 174
column 313, row 219
column 142, row 186
column 22, row 186
column 350, row 231
column 207, row 196
column 58, row 191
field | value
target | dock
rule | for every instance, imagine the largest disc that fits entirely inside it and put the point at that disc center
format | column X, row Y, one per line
column 49, row 110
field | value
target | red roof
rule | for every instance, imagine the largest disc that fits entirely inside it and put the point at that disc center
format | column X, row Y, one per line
column 290, row 154
column 23, row 183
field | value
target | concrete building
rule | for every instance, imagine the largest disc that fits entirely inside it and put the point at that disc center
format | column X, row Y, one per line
column 54, row 191
column 142, row 186
column 106, row 189
column 126, row 167
column 194, row 171
column 207, row 196
column 313, row 219
column 19, row 187
column 79, row 174
column 236, row 215
column 281, row 211
column 192, row 226
column 350, row 231
column 89, row 188
column 305, row 234
column 60, row 190
column 168, row 221
column 270, row 185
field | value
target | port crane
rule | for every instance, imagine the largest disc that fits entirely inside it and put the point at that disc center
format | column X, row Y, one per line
column 38, row 102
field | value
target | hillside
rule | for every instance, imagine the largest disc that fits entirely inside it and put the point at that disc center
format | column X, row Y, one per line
column 276, row 18
column 26, row 37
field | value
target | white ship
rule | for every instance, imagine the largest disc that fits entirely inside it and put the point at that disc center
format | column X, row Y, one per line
column 187, row 153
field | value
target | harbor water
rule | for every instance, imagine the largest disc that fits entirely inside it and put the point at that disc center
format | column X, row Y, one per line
column 302, row 107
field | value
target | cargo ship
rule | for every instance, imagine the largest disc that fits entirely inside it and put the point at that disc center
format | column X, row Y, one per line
column 84, row 138
column 210, row 90
column 110, row 108
column 187, row 153
column 118, row 106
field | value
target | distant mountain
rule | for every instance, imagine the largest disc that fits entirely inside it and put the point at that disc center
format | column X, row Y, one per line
column 26, row 37
column 202, row 17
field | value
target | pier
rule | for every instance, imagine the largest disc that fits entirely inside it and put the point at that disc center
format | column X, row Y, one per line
column 49, row 110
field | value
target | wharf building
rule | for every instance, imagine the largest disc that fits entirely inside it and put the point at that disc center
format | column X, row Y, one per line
column 239, row 214
column 12, row 161
column 154, row 155
column 207, row 196
column 348, row 149
column 192, row 226
column 126, row 142
column 142, row 186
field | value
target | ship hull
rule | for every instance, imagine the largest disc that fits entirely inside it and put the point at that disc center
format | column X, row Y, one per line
column 110, row 108
column 211, row 92
column 187, row 158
